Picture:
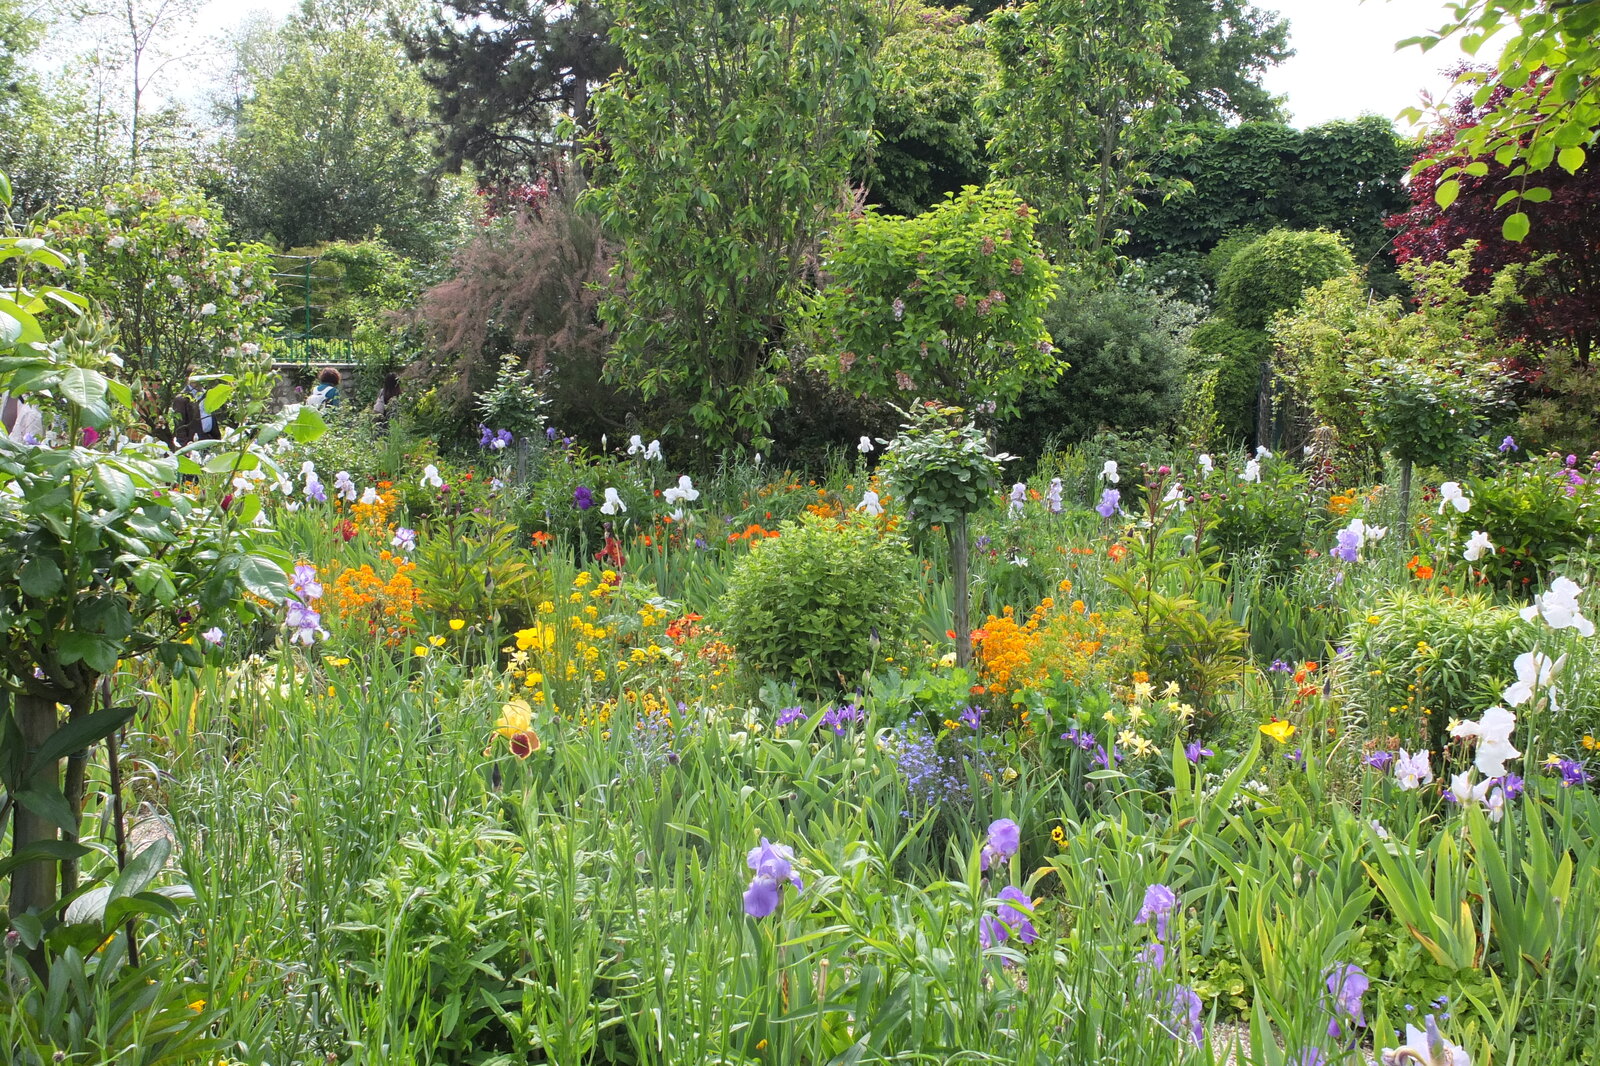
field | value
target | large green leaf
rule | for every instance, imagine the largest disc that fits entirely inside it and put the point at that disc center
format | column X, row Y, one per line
column 141, row 870
column 115, row 485
column 84, row 387
column 49, row 803
column 100, row 654
column 80, row 733
column 41, row 578
column 263, row 577
column 58, row 850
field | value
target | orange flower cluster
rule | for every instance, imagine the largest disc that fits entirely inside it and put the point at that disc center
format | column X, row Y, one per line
column 1069, row 643
column 752, row 533
column 386, row 605
column 1419, row 569
column 374, row 517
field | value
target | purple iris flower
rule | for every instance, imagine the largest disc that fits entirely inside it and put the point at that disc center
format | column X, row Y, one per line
column 304, row 582
column 1379, row 760
column 1081, row 737
column 1194, row 752
column 791, row 715
column 1153, row 955
column 982, row 543
column 1297, row 757
column 1313, row 1056
column 1508, row 445
column 1159, row 903
column 836, row 717
column 305, row 624
column 550, row 434
column 1347, row 983
column 582, row 498
column 1572, row 772
column 1513, row 786
column 1011, row 918
column 1185, row 1007
column 1005, row 840
column 1349, row 546
column 1109, row 499
column 973, row 716
column 1280, row 667
column 773, row 865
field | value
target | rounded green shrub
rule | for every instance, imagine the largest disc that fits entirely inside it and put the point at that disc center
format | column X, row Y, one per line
column 805, row 606
column 1237, row 355
column 1271, row 273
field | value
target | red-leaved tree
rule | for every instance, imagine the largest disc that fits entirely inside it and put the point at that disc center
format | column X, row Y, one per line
column 1563, row 296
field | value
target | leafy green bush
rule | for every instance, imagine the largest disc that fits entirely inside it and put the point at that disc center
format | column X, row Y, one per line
column 1420, row 658
column 807, row 604
column 1124, row 350
column 1270, row 274
column 1237, row 355
column 1268, row 520
column 1536, row 516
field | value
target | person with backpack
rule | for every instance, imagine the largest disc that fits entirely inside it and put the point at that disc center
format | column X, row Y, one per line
column 325, row 394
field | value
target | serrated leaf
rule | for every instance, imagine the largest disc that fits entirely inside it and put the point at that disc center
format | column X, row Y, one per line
column 1515, row 227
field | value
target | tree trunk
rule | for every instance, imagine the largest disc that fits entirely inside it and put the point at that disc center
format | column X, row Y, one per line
column 958, row 566
column 33, row 884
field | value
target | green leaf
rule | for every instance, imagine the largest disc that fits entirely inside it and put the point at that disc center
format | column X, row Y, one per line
column 1570, row 159
column 49, row 803
column 1515, row 227
column 41, row 578
column 84, row 387
column 217, row 396
column 1446, row 193
column 81, row 733
column 100, row 654
column 263, row 577
column 141, row 870
column 5, row 189
column 1536, row 195
column 306, row 426
column 58, row 850
column 114, row 485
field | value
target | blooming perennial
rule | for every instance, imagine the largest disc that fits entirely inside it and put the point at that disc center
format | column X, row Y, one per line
column 431, row 478
column 1011, row 918
column 870, row 504
column 864, row 445
column 1109, row 501
column 1426, row 1047
column 1535, row 672
column 1052, row 498
column 773, row 865
column 1450, row 495
column 1004, row 841
column 613, row 503
column 1413, row 771
column 1159, row 903
column 1109, row 471
column 1559, row 608
column 1019, row 494
column 1478, row 545
column 1493, row 731
column 684, row 493
column 345, row 487
column 404, row 540
column 1252, row 471
column 1206, row 465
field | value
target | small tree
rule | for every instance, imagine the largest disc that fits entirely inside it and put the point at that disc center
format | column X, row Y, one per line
column 948, row 303
column 1427, row 411
column 180, row 299
column 941, row 467
column 106, row 554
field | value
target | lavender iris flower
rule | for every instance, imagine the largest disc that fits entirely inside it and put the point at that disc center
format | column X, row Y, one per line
column 773, row 865
column 1011, row 918
column 1513, row 786
column 1347, row 983
column 1349, row 546
column 1508, row 445
column 1185, row 1007
column 973, row 717
column 1194, row 752
column 1005, row 840
column 836, row 717
column 1109, row 499
column 1159, row 903
column 1379, row 760
column 306, row 624
column 582, row 497
column 1081, row 737
column 1572, row 772
column 304, row 582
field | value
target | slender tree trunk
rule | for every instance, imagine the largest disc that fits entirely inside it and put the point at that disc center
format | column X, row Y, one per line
column 33, row 884
column 957, row 531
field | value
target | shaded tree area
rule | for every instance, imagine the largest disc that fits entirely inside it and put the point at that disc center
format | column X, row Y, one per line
column 1343, row 176
column 503, row 74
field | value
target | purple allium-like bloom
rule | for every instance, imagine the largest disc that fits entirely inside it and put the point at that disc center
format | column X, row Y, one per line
column 1349, row 546
column 836, row 717
column 1005, row 840
column 304, row 582
column 1571, row 771
column 1378, row 760
column 582, row 498
column 1185, row 1007
column 773, row 865
column 791, row 715
column 1194, row 752
column 1109, row 500
column 1347, row 983
column 1159, row 903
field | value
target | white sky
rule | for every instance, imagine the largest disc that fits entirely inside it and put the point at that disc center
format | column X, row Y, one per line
column 1345, row 64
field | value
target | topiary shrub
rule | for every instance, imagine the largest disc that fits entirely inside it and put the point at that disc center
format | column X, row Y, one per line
column 1270, row 274
column 804, row 606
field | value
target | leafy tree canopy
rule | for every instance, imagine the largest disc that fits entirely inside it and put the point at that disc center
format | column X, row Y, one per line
column 1540, row 105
